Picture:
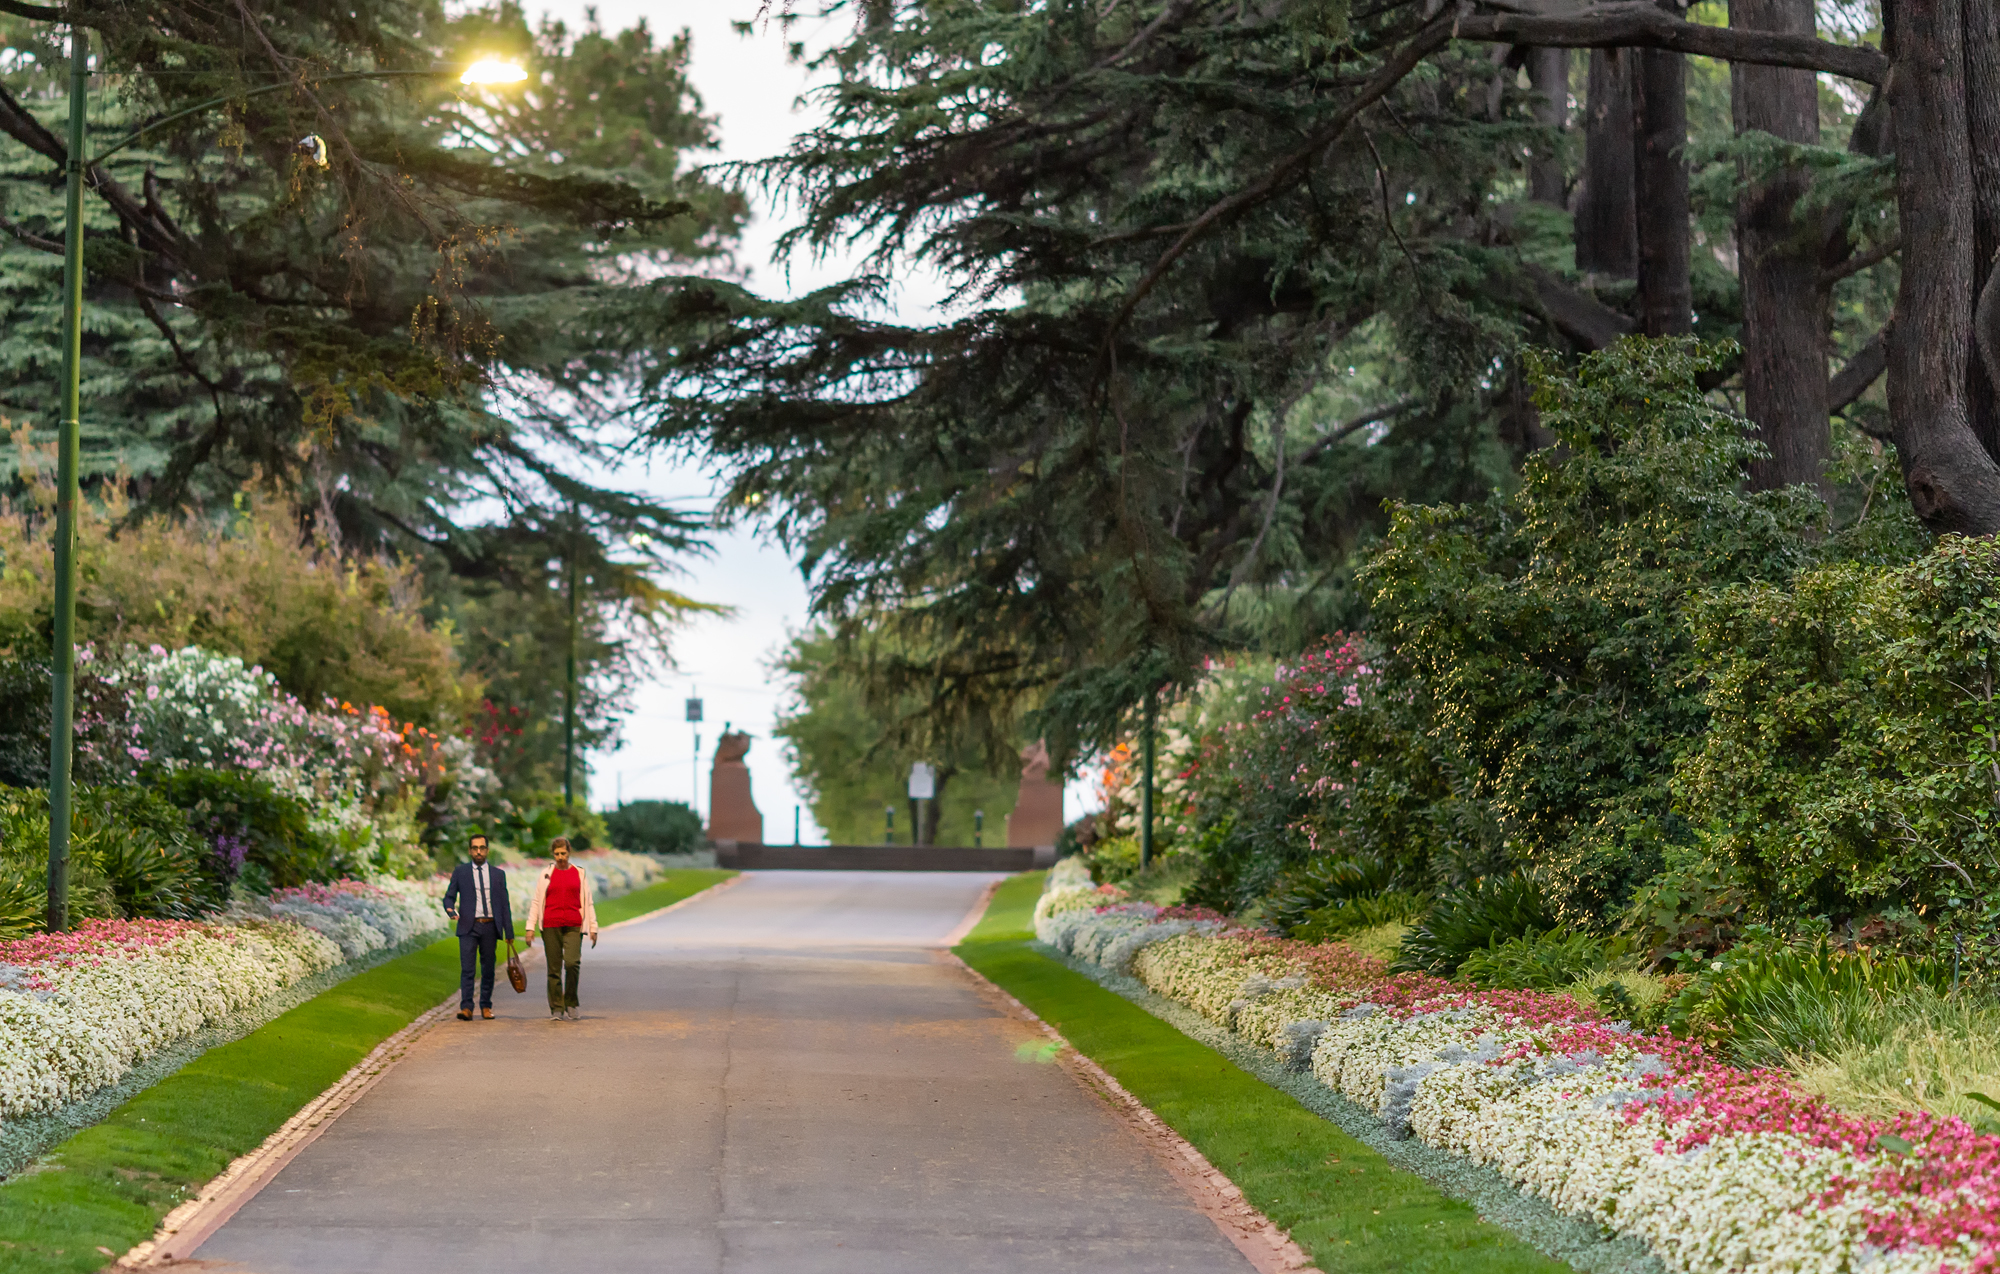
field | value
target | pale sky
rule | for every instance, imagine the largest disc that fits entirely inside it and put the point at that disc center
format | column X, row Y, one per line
column 749, row 84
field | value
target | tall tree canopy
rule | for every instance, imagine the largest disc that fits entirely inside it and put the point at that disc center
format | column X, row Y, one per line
column 1229, row 276
column 359, row 333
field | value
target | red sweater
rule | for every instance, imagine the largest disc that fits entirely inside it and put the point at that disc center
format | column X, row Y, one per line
column 565, row 899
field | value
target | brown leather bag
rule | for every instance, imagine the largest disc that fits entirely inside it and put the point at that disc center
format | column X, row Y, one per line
column 517, row 977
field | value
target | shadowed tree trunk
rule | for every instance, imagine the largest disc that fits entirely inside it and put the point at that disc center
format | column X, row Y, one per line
column 1784, row 301
column 1666, row 293
column 1953, row 482
column 1548, row 73
column 1607, row 236
column 1982, row 98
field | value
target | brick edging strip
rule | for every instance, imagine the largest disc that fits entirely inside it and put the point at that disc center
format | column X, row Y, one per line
column 182, row 1231
column 965, row 926
column 188, row 1226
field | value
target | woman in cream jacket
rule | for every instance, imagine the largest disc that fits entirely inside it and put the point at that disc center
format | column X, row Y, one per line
column 562, row 909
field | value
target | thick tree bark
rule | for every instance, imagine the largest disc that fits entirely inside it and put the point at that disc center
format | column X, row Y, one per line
column 1982, row 100
column 1548, row 73
column 1784, row 297
column 1666, row 291
column 1607, row 233
column 1954, row 484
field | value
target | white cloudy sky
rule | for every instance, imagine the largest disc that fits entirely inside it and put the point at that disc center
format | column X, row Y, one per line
column 750, row 85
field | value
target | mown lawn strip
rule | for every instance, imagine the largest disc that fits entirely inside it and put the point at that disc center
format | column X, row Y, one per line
column 683, row 883
column 1341, row 1201
column 105, row 1189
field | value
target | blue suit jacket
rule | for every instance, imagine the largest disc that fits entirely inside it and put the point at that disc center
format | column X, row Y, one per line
column 460, row 895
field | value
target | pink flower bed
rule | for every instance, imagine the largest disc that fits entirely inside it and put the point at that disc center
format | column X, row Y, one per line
column 1746, row 1172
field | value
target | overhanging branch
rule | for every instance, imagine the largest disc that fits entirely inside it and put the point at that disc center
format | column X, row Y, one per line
column 1642, row 24
column 1625, row 24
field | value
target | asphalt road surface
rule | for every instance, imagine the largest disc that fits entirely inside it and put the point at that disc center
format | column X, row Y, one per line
column 783, row 1078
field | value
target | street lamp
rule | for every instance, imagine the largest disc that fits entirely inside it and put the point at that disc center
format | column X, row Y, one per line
column 62, row 676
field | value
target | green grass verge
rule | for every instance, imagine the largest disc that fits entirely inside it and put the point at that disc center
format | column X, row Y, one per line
column 105, row 1189
column 683, row 883
column 1341, row 1201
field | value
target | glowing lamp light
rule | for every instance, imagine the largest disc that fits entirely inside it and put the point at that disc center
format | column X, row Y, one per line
column 493, row 71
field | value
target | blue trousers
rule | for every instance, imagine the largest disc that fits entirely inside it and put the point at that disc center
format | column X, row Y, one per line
column 477, row 948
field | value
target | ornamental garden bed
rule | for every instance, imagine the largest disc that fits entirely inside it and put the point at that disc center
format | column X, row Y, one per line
column 1645, row 1135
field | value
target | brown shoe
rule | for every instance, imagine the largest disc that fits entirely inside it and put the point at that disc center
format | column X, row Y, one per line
column 487, row 1014
column 465, row 1015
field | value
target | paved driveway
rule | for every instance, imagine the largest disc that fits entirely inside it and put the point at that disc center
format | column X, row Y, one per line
column 783, row 1078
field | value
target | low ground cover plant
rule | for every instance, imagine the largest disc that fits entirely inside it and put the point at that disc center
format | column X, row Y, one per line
column 1715, row 1166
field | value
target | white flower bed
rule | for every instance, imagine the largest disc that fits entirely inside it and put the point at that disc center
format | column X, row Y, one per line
column 79, row 1009
column 1715, row 1169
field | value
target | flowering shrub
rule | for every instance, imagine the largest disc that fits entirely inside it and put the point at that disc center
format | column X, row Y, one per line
column 194, row 707
column 1715, row 1168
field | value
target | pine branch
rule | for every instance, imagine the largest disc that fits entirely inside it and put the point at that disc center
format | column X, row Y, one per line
column 1628, row 23
column 34, row 241
column 1861, row 261
column 1861, row 371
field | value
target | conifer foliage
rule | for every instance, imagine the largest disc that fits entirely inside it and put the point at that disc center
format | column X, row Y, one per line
column 341, row 328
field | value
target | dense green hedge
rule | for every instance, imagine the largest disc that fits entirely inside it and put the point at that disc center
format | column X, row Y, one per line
column 1677, row 704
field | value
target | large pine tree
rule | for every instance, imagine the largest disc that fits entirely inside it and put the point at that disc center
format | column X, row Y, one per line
column 360, row 335
column 1230, row 276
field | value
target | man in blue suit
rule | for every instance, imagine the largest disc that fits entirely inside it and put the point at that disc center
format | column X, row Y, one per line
column 477, row 899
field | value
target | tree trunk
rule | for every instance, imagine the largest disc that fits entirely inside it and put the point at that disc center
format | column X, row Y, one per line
column 1607, row 236
column 1784, row 302
column 1953, row 482
column 1982, row 99
column 1548, row 72
column 1666, row 292
column 934, row 808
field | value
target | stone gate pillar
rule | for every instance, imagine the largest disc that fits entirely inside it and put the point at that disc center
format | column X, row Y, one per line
column 732, row 815
column 1038, row 814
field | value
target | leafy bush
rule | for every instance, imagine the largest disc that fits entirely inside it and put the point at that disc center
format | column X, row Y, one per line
column 1770, row 1000
column 131, row 855
column 1537, row 961
column 253, row 831
column 1530, row 679
column 535, row 819
column 1113, row 859
column 347, row 628
column 1481, row 915
column 1853, row 756
column 1696, row 905
column 654, row 827
column 1323, row 882
column 104, row 729
column 1347, row 916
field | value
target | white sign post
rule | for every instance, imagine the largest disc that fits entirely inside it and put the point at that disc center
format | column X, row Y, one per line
column 923, row 787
